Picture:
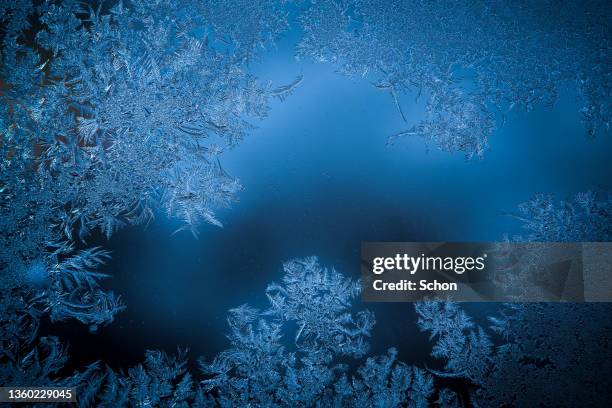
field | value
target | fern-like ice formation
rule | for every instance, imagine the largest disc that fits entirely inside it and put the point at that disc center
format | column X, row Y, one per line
column 537, row 344
column 262, row 369
column 475, row 61
column 279, row 358
column 586, row 218
column 112, row 112
column 264, row 366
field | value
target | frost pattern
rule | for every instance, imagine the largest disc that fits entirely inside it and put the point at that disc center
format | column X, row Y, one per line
column 262, row 367
column 464, row 347
column 385, row 382
column 274, row 359
column 475, row 61
column 318, row 299
column 113, row 112
column 587, row 218
column 536, row 344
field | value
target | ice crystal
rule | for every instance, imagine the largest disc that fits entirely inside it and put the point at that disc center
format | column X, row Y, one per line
column 161, row 381
column 261, row 369
column 115, row 111
column 475, row 61
column 119, row 109
column 537, row 344
column 111, row 113
column 464, row 347
column 587, row 218
column 384, row 382
column 268, row 364
column 246, row 27
column 318, row 300
column 145, row 92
